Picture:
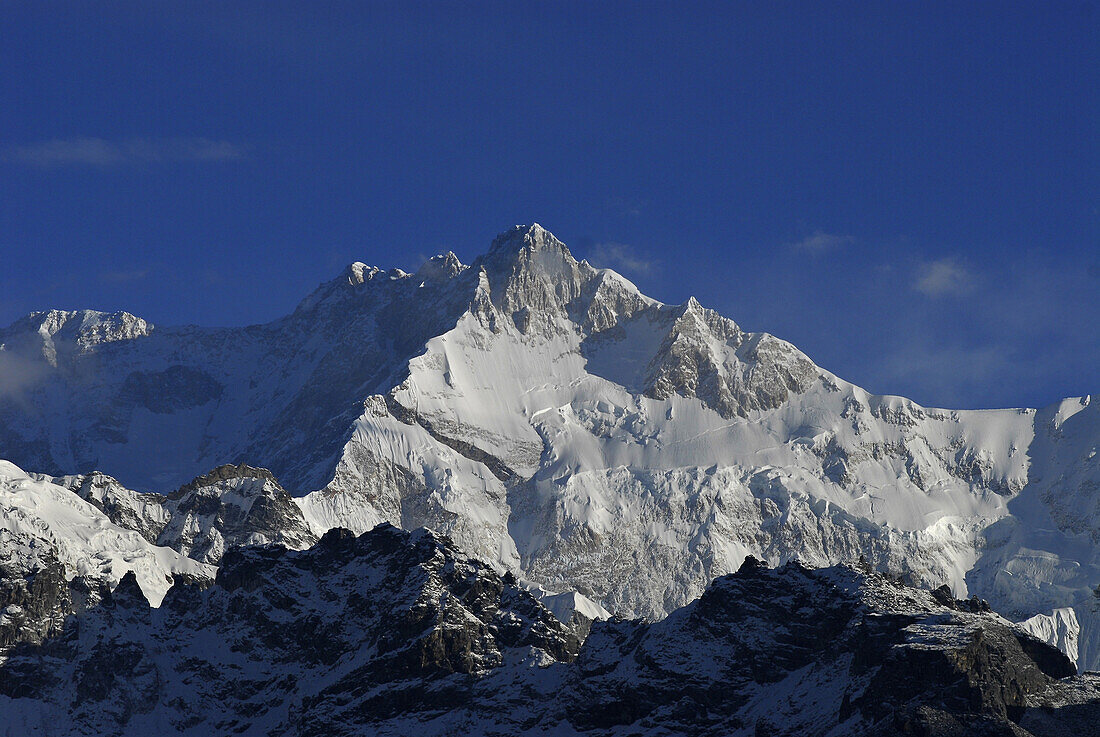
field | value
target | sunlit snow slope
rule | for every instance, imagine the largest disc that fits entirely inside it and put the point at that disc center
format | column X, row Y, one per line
column 558, row 423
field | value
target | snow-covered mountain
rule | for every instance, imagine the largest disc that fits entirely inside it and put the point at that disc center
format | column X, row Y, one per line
column 557, row 423
column 60, row 555
column 395, row 633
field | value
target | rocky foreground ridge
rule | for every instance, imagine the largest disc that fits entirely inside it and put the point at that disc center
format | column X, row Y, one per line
column 393, row 632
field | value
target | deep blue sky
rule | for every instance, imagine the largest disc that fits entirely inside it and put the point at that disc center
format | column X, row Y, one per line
column 907, row 191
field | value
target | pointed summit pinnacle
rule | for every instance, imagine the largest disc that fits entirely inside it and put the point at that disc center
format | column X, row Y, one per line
column 533, row 237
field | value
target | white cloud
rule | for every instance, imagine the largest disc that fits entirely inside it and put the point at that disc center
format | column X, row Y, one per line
column 820, row 242
column 620, row 256
column 942, row 277
column 102, row 152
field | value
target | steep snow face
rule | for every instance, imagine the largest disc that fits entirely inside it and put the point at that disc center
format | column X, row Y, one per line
column 1060, row 628
column 624, row 436
column 1045, row 554
column 559, row 424
column 397, row 472
column 38, row 514
column 143, row 513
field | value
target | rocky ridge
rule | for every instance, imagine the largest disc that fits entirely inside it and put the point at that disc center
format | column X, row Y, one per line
column 229, row 506
column 392, row 632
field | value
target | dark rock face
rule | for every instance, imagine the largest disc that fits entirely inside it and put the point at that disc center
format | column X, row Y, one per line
column 175, row 388
column 36, row 595
column 397, row 633
column 821, row 649
column 284, row 635
column 232, row 505
column 1069, row 707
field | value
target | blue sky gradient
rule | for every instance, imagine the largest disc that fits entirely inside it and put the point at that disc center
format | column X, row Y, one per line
column 908, row 192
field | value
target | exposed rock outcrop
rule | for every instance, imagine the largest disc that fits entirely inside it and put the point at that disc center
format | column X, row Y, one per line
column 391, row 631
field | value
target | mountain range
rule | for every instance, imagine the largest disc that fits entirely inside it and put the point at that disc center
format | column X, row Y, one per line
column 608, row 454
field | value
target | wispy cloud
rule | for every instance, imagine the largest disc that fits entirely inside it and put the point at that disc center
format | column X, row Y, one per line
column 18, row 376
column 624, row 207
column 820, row 242
column 620, row 256
column 942, row 277
column 101, row 152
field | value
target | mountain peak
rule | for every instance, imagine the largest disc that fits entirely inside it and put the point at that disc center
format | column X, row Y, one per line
column 227, row 472
column 441, row 267
column 533, row 237
column 359, row 272
column 691, row 305
column 529, row 271
column 58, row 334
